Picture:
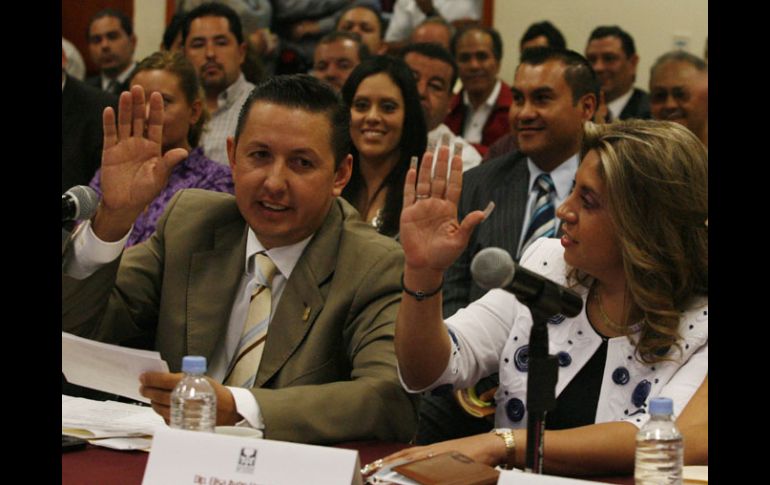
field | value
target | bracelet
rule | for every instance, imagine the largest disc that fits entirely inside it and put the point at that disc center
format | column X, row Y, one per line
column 420, row 295
column 510, row 446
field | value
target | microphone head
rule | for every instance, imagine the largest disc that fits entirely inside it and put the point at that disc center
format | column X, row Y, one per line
column 86, row 199
column 492, row 268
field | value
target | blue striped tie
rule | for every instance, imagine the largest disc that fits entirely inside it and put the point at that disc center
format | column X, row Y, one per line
column 542, row 223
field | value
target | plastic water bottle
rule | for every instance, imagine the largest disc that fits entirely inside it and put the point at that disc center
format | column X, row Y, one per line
column 193, row 401
column 659, row 450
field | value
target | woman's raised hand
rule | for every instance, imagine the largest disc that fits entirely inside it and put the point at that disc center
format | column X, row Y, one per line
column 430, row 234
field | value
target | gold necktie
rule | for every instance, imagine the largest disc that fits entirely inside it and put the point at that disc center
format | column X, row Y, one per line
column 243, row 370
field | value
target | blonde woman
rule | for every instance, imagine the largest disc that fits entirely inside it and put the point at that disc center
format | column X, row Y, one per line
column 634, row 246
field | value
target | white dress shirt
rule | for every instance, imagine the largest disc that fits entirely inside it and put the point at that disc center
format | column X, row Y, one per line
column 563, row 178
column 122, row 77
column 616, row 106
column 407, row 15
column 475, row 120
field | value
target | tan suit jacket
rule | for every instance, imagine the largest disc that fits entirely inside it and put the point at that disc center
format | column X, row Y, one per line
column 328, row 372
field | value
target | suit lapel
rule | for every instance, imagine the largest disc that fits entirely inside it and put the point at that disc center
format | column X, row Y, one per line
column 509, row 216
column 302, row 300
column 212, row 290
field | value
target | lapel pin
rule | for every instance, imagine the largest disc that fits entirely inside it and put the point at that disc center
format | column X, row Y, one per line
column 306, row 314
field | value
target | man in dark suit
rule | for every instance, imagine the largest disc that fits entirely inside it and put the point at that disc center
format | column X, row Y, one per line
column 554, row 94
column 612, row 53
column 111, row 43
column 81, row 129
column 327, row 371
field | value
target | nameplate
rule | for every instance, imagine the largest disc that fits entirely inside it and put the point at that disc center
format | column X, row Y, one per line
column 197, row 458
column 516, row 477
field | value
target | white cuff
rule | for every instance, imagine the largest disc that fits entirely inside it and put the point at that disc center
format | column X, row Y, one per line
column 247, row 406
column 89, row 253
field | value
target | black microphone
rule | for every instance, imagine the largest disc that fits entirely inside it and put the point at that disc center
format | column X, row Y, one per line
column 78, row 203
column 494, row 268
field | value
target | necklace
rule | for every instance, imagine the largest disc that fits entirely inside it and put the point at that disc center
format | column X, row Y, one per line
column 623, row 329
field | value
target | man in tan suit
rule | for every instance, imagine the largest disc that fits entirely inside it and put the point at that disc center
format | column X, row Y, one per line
column 327, row 372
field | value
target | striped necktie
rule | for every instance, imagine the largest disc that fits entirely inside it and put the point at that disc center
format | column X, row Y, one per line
column 243, row 369
column 542, row 223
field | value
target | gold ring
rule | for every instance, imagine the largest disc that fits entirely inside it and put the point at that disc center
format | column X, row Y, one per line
column 422, row 196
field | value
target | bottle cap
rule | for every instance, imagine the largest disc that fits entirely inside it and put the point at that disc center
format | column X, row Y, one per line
column 661, row 405
column 195, row 364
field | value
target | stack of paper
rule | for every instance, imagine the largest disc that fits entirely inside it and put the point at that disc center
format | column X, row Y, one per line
column 108, row 423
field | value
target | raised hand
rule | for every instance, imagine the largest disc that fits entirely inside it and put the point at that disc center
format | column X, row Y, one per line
column 430, row 233
column 134, row 171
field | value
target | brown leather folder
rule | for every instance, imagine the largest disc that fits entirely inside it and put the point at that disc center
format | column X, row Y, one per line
column 450, row 468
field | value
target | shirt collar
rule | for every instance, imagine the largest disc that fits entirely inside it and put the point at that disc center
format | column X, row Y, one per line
column 285, row 258
column 616, row 107
column 491, row 100
column 121, row 78
column 227, row 97
column 563, row 176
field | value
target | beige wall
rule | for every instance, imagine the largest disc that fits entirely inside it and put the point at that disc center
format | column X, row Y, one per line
column 149, row 24
column 654, row 25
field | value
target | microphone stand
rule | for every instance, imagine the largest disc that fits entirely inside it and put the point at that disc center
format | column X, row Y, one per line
column 543, row 373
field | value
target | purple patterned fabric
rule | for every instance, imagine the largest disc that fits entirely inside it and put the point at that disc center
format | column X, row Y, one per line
column 196, row 172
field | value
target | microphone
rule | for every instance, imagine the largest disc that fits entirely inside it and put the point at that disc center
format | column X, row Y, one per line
column 78, row 203
column 494, row 268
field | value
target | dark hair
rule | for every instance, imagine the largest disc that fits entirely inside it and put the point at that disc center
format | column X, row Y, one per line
column 172, row 29
column 303, row 91
column 213, row 10
column 179, row 66
column 125, row 22
column 679, row 56
column 579, row 74
column 335, row 35
column 626, row 41
column 433, row 51
column 497, row 42
column 414, row 135
column 547, row 30
column 365, row 6
column 438, row 20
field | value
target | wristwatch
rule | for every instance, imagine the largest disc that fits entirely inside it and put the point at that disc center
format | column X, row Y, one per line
column 506, row 434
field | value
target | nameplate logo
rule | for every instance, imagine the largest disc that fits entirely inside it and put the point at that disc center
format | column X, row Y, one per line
column 197, row 458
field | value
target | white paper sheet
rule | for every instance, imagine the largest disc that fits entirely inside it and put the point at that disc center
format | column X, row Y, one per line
column 106, row 367
column 91, row 419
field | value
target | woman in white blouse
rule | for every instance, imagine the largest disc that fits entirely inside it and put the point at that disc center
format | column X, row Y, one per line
column 634, row 245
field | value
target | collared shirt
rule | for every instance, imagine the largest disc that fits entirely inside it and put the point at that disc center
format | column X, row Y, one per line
column 471, row 156
column 616, row 106
column 475, row 120
column 224, row 120
column 563, row 178
column 90, row 253
column 122, row 77
column 407, row 15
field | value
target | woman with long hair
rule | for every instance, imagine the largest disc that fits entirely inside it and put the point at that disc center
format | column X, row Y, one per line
column 634, row 247
column 184, row 119
column 387, row 129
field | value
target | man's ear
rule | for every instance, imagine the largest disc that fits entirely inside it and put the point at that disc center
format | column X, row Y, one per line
column 587, row 105
column 231, row 152
column 342, row 175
